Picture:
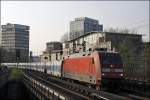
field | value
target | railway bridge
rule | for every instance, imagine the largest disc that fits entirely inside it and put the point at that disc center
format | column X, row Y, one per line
column 3, row 77
column 45, row 87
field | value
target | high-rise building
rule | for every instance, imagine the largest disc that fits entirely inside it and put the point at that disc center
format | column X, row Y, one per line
column 15, row 42
column 83, row 25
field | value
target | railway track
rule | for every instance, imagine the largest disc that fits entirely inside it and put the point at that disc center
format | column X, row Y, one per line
column 133, row 90
column 135, row 94
column 71, row 90
column 131, row 95
column 137, row 89
column 66, row 93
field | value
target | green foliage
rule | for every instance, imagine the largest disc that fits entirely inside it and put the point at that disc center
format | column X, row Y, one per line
column 16, row 74
column 136, row 66
column 126, row 49
column 146, row 57
column 146, row 52
column 2, row 67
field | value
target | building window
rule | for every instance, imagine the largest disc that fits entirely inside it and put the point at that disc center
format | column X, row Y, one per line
column 49, row 57
column 56, row 56
column 101, row 39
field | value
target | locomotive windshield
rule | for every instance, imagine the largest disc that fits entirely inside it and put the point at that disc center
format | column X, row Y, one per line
column 110, row 58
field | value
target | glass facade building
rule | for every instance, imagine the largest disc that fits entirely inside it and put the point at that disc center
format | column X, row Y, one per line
column 15, row 40
column 83, row 25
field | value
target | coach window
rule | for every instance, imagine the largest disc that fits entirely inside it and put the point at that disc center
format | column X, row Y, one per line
column 56, row 56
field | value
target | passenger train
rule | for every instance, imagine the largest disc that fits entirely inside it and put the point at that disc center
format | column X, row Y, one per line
column 91, row 68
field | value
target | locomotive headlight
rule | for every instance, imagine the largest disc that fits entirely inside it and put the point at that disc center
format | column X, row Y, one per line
column 121, row 74
column 111, row 65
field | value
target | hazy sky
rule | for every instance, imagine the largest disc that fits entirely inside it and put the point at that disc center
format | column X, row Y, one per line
column 49, row 20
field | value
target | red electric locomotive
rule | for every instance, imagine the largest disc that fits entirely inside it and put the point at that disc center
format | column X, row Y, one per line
column 94, row 68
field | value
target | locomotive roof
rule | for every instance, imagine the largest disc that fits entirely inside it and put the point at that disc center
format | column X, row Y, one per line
column 87, row 53
column 107, row 52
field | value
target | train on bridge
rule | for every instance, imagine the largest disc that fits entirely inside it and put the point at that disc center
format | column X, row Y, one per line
column 90, row 68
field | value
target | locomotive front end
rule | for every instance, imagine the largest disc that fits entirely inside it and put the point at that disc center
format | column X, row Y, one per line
column 111, row 69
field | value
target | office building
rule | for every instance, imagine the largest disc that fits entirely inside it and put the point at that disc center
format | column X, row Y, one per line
column 82, row 26
column 15, row 42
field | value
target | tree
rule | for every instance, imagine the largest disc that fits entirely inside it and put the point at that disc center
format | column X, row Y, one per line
column 126, row 49
column 121, row 30
column 65, row 37
column 146, row 57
